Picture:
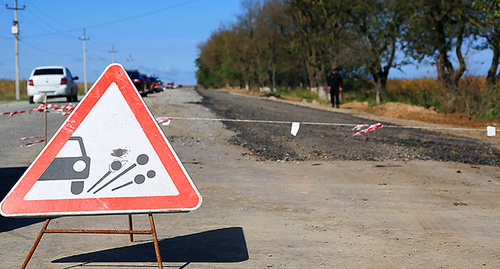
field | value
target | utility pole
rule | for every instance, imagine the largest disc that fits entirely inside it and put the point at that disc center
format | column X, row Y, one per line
column 130, row 62
column 15, row 31
column 112, row 51
column 84, row 39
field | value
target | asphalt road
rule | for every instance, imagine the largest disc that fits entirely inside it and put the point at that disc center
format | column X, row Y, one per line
column 319, row 142
column 24, row 125
column 259, row 213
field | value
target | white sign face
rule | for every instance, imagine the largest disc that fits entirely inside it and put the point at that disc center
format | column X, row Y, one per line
column 115, row 153
column 109, row 157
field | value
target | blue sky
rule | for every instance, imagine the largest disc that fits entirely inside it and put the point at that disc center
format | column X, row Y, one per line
column 160, row 37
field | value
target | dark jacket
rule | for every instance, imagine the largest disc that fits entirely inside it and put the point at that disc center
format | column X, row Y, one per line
column 335, row 81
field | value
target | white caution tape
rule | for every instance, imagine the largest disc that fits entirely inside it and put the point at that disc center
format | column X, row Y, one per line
column 356, row 126
column 295, row 125
column 490, row 131
column 295, row 128
column 68, row 108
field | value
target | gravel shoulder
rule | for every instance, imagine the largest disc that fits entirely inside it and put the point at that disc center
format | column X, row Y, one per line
column 404, row 115
column 327, row 134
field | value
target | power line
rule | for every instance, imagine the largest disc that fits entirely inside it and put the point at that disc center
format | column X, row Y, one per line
column 48, row 30
column 116, row 21
column 45, row 14
column 44, row 50
column 141, row 15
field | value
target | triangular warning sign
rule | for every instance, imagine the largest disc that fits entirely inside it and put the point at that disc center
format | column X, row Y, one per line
column 109, row 157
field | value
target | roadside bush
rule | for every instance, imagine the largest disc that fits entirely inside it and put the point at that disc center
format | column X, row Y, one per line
column 489, row 107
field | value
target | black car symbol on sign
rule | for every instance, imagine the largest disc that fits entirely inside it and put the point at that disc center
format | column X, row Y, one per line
column 70, row 168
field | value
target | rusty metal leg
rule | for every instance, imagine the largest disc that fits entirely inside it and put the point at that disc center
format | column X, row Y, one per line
column 44, row 227
column 130, row 227
column 157, row 247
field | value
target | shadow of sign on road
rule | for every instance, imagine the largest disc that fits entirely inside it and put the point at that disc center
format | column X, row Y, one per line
column 225, row 245
column 8, row 178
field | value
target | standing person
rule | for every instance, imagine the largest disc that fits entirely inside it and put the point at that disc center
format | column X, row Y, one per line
column 335, row 87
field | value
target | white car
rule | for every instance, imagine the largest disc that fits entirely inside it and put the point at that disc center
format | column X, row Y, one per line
column 54, row 81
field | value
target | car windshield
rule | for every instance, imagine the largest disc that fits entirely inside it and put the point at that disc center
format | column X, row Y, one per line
column 133, row 74
column 48, row 71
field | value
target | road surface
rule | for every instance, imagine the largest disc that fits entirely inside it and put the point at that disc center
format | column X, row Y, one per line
column 259, row 213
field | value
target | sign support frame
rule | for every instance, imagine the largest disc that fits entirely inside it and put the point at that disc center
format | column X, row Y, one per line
column 130, row 231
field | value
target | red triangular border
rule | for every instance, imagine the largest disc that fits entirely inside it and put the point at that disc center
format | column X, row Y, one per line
column 188, row 199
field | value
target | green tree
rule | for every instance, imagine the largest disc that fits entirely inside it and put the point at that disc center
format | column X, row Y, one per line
column 318, row 39
column 434, row 30
column 486, row 19
column 378, row 24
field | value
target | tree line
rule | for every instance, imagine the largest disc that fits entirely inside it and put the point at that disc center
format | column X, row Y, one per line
column 296, row 43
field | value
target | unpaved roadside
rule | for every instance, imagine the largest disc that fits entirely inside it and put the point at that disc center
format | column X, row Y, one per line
column 255, row 214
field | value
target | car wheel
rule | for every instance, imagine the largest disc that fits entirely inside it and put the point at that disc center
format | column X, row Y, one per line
column 30, row 100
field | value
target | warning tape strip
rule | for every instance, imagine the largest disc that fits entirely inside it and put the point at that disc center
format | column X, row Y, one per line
column 330, row 124
column 164, row 120
column 30, row 137
column 68, row 108
column 32, row 143
column 297, row 124
column 29, row 144
column 367, row 130
column 21, row 112
column 64, row 110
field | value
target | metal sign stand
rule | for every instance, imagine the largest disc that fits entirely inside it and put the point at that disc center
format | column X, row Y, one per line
column 130, row 231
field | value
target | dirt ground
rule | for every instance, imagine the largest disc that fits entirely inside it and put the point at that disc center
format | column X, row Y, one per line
column 341, row 214
column 411, row 112
column 263, row 214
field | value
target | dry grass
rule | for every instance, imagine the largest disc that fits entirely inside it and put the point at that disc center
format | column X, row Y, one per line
column 472, row 97
column 8, row 90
